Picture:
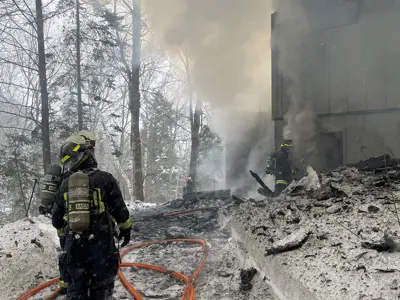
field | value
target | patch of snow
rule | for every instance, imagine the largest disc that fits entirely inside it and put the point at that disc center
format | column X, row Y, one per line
column 28, row 255
column 138, row 205
column 313, row 183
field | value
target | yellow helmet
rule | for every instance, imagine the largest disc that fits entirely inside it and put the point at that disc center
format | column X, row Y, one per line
column 73, row 152
column 89, row 136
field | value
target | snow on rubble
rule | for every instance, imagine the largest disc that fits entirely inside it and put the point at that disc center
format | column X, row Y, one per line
column 339, row 239
column 28, row 255
column 139, row 205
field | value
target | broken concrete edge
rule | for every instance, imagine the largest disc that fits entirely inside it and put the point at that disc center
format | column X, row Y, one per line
column 281, row 281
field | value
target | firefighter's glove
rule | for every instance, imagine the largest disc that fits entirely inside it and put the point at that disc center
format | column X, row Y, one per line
column 125, row 232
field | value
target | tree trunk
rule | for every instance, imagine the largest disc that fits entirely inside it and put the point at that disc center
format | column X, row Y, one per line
column 194, row 151
column 194, row 117
column 43, row 87
column 134, row 100
column 134, row 97
column 78, row 67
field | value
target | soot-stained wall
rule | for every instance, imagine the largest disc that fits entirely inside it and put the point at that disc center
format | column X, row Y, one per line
column 352, row 80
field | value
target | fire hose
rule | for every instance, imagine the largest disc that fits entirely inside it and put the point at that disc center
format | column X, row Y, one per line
column 188, row 294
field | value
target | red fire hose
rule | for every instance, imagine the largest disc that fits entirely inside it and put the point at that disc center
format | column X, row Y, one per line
column 189, row 292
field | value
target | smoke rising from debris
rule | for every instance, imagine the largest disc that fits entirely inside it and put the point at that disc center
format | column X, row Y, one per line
column 228, row 44
column 332, row 55
column 290, row 36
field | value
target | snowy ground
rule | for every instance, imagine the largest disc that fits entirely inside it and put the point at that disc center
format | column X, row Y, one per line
column 220, row 278
column 28, row 256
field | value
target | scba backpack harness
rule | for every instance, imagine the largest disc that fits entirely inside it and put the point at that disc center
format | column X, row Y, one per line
column 84, row 205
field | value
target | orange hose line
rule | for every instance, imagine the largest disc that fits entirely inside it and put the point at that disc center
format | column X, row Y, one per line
column 37, row 289
column 189, row 292
column 128, row 286
column 178, row 275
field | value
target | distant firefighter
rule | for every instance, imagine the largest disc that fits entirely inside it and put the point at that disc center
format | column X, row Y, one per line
column 188, row 190
column 280, row 166
column 283, row 167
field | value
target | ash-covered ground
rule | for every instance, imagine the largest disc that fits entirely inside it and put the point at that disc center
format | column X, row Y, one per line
column 221, row 275
column 29, row 255
column 336, row 224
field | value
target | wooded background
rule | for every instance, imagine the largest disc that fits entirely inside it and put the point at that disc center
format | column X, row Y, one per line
column 70, row 65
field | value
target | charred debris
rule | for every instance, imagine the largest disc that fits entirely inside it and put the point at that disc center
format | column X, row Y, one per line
column 366, row 188
column 352, row 207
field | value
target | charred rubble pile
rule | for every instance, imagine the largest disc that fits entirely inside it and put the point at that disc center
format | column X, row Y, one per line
column 222, row 275
column 337, row 232
column 179, row 217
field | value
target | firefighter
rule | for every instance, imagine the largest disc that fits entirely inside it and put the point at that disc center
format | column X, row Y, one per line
column 188, row 190
column 283, row 167
column 86, row 206
column 90, row 141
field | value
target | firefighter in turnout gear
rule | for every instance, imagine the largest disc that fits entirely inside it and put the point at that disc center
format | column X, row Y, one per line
column 87, row 206
column 283, row 167
column 90, row 144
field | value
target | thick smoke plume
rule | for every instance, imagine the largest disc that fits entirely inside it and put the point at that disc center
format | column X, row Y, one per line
column 291, row 31
column 228, row 44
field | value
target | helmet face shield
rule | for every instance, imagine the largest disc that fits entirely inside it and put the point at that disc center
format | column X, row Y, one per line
column 72, row 152
column 74, row 161
column 90, row 138
column 68, row 150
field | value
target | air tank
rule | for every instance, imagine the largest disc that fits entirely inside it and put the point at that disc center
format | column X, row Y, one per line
column 50, row 185
column 78, row 202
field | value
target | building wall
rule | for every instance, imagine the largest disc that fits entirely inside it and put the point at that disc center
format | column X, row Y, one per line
column 366, row 135
column 354, row 84
column 362, row 74
column 360, row 67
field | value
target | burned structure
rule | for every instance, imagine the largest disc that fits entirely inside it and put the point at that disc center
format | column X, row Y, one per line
column 341, row 71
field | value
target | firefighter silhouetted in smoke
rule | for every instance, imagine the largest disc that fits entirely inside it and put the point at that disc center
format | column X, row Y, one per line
column 86, row 206
column 283, row 170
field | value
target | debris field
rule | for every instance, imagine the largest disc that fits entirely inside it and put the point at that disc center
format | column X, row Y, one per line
column 336, row 234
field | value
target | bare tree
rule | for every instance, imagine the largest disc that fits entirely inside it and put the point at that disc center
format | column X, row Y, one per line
column 134, row 99
column 78, row 66
column 43, row 86
column 195, row 111
column 132, row 75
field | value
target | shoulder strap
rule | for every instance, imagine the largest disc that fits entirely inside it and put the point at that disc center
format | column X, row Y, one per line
column 90, row 171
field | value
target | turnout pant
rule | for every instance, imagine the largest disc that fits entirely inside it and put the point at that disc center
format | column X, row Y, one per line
column 92, row 266
column 61, row 266
column 279, row 187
